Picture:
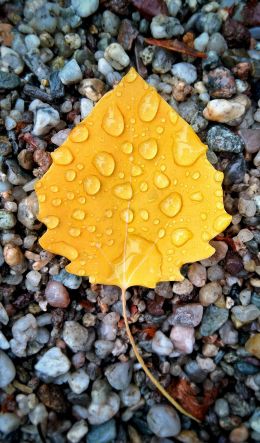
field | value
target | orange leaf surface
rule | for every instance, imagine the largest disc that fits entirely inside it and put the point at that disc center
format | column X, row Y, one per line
column 130, row 196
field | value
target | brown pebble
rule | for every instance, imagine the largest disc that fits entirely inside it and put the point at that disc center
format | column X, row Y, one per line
column 236, row 34
column 57, row 295
column 239, row 435
column 13, row 255
column 52, row 397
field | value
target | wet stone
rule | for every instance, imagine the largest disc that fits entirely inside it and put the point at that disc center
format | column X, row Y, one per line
column 104, row 433
column 220, row 83
column 221, row 139
column 7, row 219
column 119, row 375
column 9, row 80
column 76, row 336
column 235, row 171
column 163, row 421
column 53, row 363
column 127, row 34
column 185, row 71
column 165, row 27
column 7, row 370
column 213, row 319
column 187, row 315
column 71, row 73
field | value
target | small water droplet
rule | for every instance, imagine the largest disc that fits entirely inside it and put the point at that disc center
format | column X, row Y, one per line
column 205, row 236
column 74, row 232
column 161, row 233
column 130, row 229
column 136, row 171
column 196, row 175
column 159, row 129
column 91, row 228
column 173, row 117
column 41, row 198
column 127, row 147
column 56, row 202
column 110, row 242
column 132, row 120
column 123, row 191
column 62, row 156
column 203, row 216
column 148, row 149
column 121, row 175
column 38, row 185
column 54, row 188
column 80, row 166
column 70, row 175
column 143, row 186
column 70, row 195
column 163, row 168
column 172, row 204
column 82, row 200
column 144, row 214
column 109, row 231
column 78, row 214
column 219, row 193
column 161, row 180
column 181, row 236
column 108, row 213
column 222, row 222
column 148, row 106
column 105, row 163
column 218, row 176
column 127, row 215
column 51, row 221
column 131, row 75
column 113, row 121
column 156, row 221
column 197, row 197
column 79, row 134
column 92, row 184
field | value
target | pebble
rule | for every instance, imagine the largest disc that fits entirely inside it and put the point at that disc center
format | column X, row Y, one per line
column 60, row 137
column 235, row 171
column 213, row 319
column 163, row 26
column 208, row 22
column 7, row 370
column 92, row 88
column 215, row 273
column 77, row 431
column 83, row 8
column 183, row 338
column 220, row 83
column 119, row 375
column 57, row 295
column 224, row 111
column 15, row 174
column 163, row 421
column 104, row 404
column 210, row 293
column 255, row 420
column 53, row 363
column 45, row 117
column 161, row 344
column 7, row 219
column 69, row 280
column 221, row 407
column 4, row 344
column 206, row 364
column 108, row 327
column 228, row 334
column 9, row 80
column 86, row 106
column 78, row 381
column 71, row 73
column 251, row 139
column 104, row 67
column 27, row 211
column 104, row 433
column 222, row 139
column 75, row 336
column 246, row 207
column 253, row 345
column 201, row 42
column 182, row 288
column 111, row 23
column 186, row 315
column 246, row 314
column 25, row 329
column 239, row 435
column 116, row 56
column 12, row 254
column 185, row 71
column 217, row 43
column 4, row 318
column 219, row 254
column 197, row 274
column 130, row 396
column 9, row 422
column 38, row 415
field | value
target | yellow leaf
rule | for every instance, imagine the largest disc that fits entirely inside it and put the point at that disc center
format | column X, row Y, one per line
column 135, row 196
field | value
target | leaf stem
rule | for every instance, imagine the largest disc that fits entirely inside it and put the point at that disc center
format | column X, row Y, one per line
column 142, row 363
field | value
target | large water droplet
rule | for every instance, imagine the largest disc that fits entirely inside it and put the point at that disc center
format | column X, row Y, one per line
column 172, row 204
column 65, row 250
column 161, row 180
column 62, row 156
column 148, row 149
column 196, row 196
column 144, row 214
column 78, row 214
column 51, row 221
column 127, row 147
column 185, row 154
column 70, row 195
column 148, row 106
column 222, row 222
column 123, row 191
column 113, row 121
column 79, row 134
column 92, row 185
column 181, row 236
column 91, row 228
column 127, row 215
column 143, row 186
column 56, row 202
column 74, row 232
column 136, row 171
column 104, row 163
column 70, row 175
column 41, row 198
column 196, row 175
column 161, row 233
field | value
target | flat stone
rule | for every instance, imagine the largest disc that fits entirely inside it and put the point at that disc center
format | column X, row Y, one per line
column 8, row 80
column 75, row 336
column 119, row 375
column 163, row 421
column 183, row 338
column 104, row 433
column 213, row 319
column 7, row 370
column 53, row 363
column 221, row 139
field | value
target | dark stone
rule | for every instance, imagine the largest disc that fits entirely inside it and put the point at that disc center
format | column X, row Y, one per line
column 150, row 8
column 235, row 171
column 211, row 62
column 220, row 83
column 221, row 139
column 238, row 405
column 233, row 263
column 104, row 433
column 251, row 13
column 34, row 92
column 53, row 398
column 242, row 70
column 34, row 63
column 120, row 7
column 141, row 68
column 251, row 138
column 154, row 307
column 5, row 146
column 208, row 22
column 246, row 368
column 194, row 372
column 236, row 34
column 162, row 61
column 127, row 34
column 8, row 80
column 213, row 319
column 56, row 86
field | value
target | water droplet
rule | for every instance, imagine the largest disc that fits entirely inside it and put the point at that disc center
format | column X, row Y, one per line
column 110, row 242
column 64, row 249
column 130, row 229
column 38, row 185
column 80, row 166
column 74, row 232
column 181, row 236
column 92, row 185
column 148, row 106
column 104, row 163
column 127, row 147
column 41, row 198
column 186, row 154
column 172, row 204
column 121, row 175
column 143, row 186
column 175, row 182
column 131, row 75
column 51, row 221
column 196, row 175
column 161, row 180
column 136, row 171
column 161, row 233
column 132, row 120
column 56, row 202
column 113, row 121
column 123, row 191
column 219, row 205
column 108, row 213
column 54, row 188
column 163, row 168
column 127, row 215
column 218, row 176
column 70, row 175
column 70, row 195
column 78, row 214
column 156, row 221
column 109, row 231
column 219, row 193
column 81, row 272
column 91, row 228
column 222, row 222
column 148, row 149
column 197, row 197
column 62, row 156
column 203, row 216
column 159, row 129
column 205, row 236
column 144, row 214
column 79, row 134
column 173, row 116
column 82, row 200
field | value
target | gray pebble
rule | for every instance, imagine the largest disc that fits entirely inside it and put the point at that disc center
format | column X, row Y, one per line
column 119, row 375
column 185, row 71
column 7, row 219
column 83, row 8
column 221, row 139
column 163, row 421
column 71, row 281
column 104, row 433
column 9, row 422
column 71, row 73
column 53, row 363
column 7, row 370
column 213, row 319
column 116, row 56
column 165, row 27
column 111, row 23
